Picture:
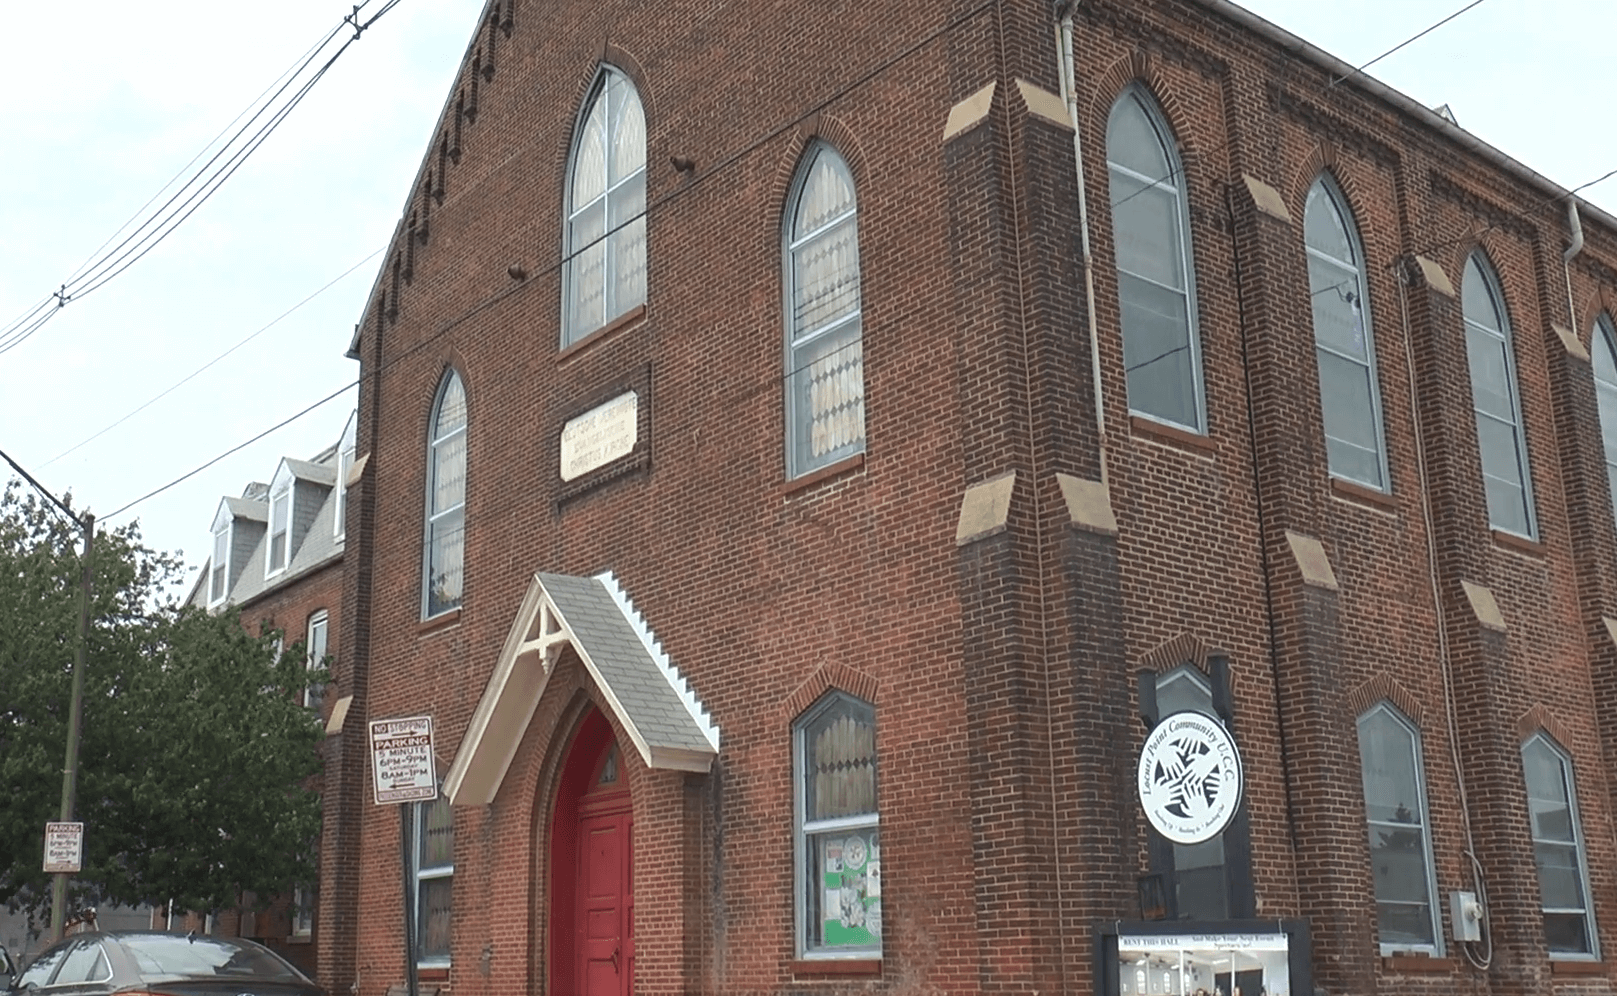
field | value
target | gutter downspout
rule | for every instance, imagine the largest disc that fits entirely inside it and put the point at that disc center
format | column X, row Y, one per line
column 1069, row 93
column 1575, row 223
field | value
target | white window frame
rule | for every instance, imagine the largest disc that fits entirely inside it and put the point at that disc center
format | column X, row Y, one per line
column 435, row 445
column 282, row 496
column 345, row 461
column 1603, row 345
column 804, row 831
column 1389, row 948
column 1174, row 184
column 219, row 568
column 1570, row 787
column 800, row 342
column 301, row 913
column 429, row 873
column 1331, row 198
column 319, row 620
column 611, row 307
column 1518, row 426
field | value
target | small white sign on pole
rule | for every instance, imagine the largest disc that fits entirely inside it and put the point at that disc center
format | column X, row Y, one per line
column 403, row 766
column 64, row 847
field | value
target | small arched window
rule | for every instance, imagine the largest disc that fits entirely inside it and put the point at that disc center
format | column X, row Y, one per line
column 1350, row 399
column 1563, row 868
column 604, row 256
column 1200, row 876
column 838, row 837
column 1156, row 284
column 1605, row 363
column 825, row 365
column 1500, row 437
column 445, row 546
column 1400, row 832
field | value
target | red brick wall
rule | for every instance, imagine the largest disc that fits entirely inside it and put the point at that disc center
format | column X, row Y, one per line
column 1002, row 670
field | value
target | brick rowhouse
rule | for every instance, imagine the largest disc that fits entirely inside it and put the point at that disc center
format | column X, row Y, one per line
column 1004, row 573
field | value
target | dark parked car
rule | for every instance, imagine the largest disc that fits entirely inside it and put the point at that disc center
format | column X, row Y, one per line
column 137, row 962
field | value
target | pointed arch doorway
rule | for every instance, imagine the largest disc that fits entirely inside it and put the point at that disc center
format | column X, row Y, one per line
column 591, row 861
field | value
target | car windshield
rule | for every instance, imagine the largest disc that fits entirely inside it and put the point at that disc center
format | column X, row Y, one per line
column 205, row 957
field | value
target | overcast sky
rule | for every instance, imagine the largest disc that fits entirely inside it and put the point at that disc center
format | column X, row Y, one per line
column 107, row 100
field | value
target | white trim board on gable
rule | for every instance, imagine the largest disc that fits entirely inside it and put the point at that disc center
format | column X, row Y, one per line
column 651, row 700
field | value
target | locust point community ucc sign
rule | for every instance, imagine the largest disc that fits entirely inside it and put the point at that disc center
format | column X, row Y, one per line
column 1190, row 777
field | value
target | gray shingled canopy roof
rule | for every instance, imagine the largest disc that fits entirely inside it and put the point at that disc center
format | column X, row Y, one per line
column 625, row 667
column 653, row 704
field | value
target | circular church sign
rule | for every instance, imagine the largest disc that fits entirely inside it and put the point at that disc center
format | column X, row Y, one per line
column 1190, row 777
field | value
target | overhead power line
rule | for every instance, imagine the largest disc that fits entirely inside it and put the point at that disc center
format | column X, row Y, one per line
column 156, row 225
column 234, row 449
column 200, row 370
column 1407, row 41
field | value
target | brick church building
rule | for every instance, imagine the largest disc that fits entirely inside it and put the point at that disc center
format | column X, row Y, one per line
column 804, row 452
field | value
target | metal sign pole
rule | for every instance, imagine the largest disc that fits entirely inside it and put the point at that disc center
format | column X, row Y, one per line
column 406, row 852
column 404, row 773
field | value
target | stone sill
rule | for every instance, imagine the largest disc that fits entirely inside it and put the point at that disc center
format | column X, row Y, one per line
column 1578, row 968
column 443, row 620
column 1417, row 964
column 1173, row 435
column 837, row 966
column 844, row 466
column 606, row 331
column 1360, row 493
column 1521, row 544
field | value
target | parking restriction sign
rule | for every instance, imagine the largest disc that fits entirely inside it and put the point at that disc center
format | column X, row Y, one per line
column 64, row 847
column 403, row 767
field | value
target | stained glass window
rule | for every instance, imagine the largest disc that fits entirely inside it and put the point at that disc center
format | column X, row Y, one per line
column 825, row 365
column 838, row 836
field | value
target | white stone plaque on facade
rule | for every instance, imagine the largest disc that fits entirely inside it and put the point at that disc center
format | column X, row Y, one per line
column 64, row 847
column 600, row 435
column 1190, row 777
column 403, row 767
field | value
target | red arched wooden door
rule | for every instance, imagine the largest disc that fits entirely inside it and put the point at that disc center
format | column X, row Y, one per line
column 592, row 862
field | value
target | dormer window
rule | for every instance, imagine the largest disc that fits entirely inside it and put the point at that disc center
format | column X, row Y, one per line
column 280, row 528
column 345, row 461
column 219, row 567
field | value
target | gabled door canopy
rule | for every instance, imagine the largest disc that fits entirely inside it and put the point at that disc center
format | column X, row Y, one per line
column 645, row 692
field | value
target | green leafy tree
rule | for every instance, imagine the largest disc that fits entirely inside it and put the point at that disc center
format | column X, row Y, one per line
column 195, row 755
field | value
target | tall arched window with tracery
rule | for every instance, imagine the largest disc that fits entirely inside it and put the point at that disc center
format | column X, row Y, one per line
column 445, row 544
column 838, row 830
column 1501, row 438
column 1156, row 280
column 1563, row 865
column 825, row 365
column 1350, row 398
column 1399, row 825
column 604, row 256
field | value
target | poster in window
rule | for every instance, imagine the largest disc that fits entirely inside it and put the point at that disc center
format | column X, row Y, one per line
column 850, row 875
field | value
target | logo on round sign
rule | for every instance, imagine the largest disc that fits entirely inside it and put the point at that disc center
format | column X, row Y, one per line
column 1190, row 778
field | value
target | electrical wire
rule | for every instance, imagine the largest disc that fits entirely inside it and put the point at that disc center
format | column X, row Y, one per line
column 107, row 264
column 1180, row 167
column 234, row 449
column 723, row 164
column 198, row 371
column 57, row 505
column 1531, row 209
column 697, row 180
column 1414, row 38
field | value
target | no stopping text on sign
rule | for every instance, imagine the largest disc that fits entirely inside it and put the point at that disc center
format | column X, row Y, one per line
column 403, row 767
